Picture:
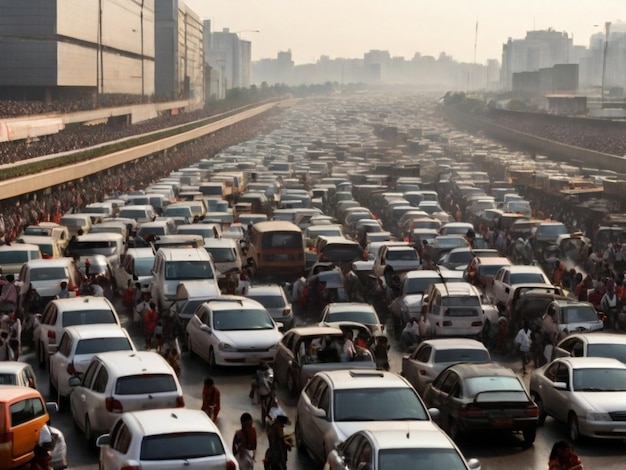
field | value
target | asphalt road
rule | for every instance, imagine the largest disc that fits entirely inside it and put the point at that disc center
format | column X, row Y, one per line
column 495, row 451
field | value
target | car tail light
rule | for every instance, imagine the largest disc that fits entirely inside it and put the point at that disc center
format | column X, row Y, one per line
column 531, row 411
column 471, row 412
column 286, row 311
column 71, row 369
column 114, row 406
column 447, row 323
column 180, row 402
column 6, row 437
column 477, row 323
column 131, row 467
column 230, row 465
column 52, row 334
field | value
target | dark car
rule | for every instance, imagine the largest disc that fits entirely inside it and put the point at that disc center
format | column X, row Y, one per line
column 482, row 397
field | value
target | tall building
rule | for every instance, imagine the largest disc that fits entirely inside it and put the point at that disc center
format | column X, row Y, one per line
column 229, row 58
column 179, row 64
column 55, row 48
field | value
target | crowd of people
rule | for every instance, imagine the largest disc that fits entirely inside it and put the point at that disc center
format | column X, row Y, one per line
column 585, row 133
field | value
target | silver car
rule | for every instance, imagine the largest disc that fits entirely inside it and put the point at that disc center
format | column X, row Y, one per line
column 273, row 298
column 587, row 393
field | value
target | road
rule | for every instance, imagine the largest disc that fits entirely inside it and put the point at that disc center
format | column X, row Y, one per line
column 494, row 452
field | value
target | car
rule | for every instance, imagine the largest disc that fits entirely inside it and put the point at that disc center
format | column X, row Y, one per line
column 563, row 317
column 401, row 258
column 457, row 258
column 592, row 345
column 118, row 382
column 303, row 352
column 167, row 438
column 482, row 397
column 135, row 267
column 454, row 309
column 381, row 450
column 587, row 393
column 509, row 276
column 17, row 373
column 335, row 404
column 45, row 277
column 76, row 348
column 233, row 331
column 225, row 253
column 432, row 356
column 48, row 246
column 60, row 313
column 274, row 299
column 481, row 271
column 354, row 312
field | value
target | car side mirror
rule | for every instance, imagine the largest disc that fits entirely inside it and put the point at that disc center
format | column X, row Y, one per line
column 74, row 381
column 560, row 386
column 52, row 407
column 434, row 413
column 103, row 441
column 474, row 464
column 205, row 328
column 281, row 326
column 318, row 413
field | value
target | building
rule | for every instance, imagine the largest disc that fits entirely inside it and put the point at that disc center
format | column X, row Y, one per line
column 179, row 63
column 52, row 49
column 230, row 60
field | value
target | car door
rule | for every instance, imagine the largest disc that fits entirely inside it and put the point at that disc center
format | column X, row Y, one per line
column 568, row 348
column 416, row 366
column 60, row 359
column 320, row 426
column 284, row 356
column 27, row 418
column 353, row 453
column 204, row 338
column 553, row 399
column 80, row 398
column 305, row 418
column 438, row 395
column 113, row 456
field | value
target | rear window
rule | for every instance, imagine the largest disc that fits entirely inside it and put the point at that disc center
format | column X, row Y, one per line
column 527, row 278
column 87, row 317
column 188, row 445
column 143, row 384
column 282, row 240
column 99, row 345
column 48, row 274
column 402, row 255
column 269, row 301
column 26, row 410
column 460, row 301
column 461, row 355
column 8, row 379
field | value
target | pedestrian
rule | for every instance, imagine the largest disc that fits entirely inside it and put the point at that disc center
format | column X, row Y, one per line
column 8, row 294
column 522, row 339
column 279, row 444
column 63, row 293
column 348, row 350
column 609, row 304
column 210, row 399
column 173, row 359
column 563, row 457
column 150, row 321
column 381, row 356
column 245, row 443
column 410, row 335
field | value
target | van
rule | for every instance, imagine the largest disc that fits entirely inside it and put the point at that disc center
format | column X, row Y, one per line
column 175, row 265
column 111, row 245
column 276, row 247
column 454, row 309
column 23, row 413
column 76, row 222
column 12, row 257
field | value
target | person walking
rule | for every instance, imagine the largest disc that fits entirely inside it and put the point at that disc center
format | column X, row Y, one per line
column 8, row 294
column 211, row 399
column 245, row 443
column 609, row 304
column 410, row 335
column 150, row 321
column 524, row 342
column 563, row 457
column 279, row 445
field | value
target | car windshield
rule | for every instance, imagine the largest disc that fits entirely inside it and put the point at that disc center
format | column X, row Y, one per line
column 48, row 274
column 8, row 379
column 616, row 351
column 460, row 301
column 143, row 266
column 331, row 232
column 87, row 317
column 579, row 314
column 204, row 232
column 360, row 316
column 518, row 206
column 99, row 345
column 181, row 446
column 152, row 230
column 268, row 301
column 394, row 459
column 242, row 319
column 178, row 212
column 600, row 379
column 450, row 242
column 342, row 253
column 463, row 257
column 418, row 285
column 145, row 384
column 222, row 255
column 492, row 383
column 551, row 230
column 188, row 270
column 95, row 247
column 133, row 214
column 489, row 270
column 461, row 355
column 402, row 255
column 378, row 404
column 527, row 278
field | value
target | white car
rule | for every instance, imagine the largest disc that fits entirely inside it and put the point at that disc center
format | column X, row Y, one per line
column 233, row 331
column 508, row 276
column 17, row 373
column 165, row 439
column 78, row 345
column 335, row 404
column 61, row 313
column 121, row 381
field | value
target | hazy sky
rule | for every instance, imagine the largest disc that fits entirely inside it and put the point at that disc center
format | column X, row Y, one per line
column 348, row 28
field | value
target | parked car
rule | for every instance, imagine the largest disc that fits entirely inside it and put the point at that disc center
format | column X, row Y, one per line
column 592, row 345
column 354, row 312
column 482, row 397
column 17, row 373
column 509, row 276
column 587, row 393
column 274, row 299
column 563, row 317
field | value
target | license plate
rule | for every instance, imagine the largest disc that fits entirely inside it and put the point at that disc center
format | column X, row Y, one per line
column 502, row 422
column 150, row 406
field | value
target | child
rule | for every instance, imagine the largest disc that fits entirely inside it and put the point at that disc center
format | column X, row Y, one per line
column 245, row 443
column 210, row 399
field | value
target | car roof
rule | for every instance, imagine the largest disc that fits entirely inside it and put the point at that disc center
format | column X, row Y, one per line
column 143, row 252
column 349, row 306
column 12, row 367
column 261, row 289
column 597, row 338
column 169, row 421
column 454, row 343
column 592, row 362
column 456, row 288
column 124, row 363
column 347, row 379
column 484, row 260
column 427, row 438
column 80, row 303
column 226, row 302
column 468, row 370
column 219, row 243
column 523, row 268
column 100, row 330
column 47, row 263
column 184, row 254
column 11, row 392
column 316, row 330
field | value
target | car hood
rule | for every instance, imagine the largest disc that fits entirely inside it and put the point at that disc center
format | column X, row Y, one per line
column 602, row 401
column 345, row 429
column 413, row 300
column 244, row 339
column 582, row 326
column 47, row 288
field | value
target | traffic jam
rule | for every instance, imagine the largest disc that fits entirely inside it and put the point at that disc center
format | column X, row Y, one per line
column 386, row 285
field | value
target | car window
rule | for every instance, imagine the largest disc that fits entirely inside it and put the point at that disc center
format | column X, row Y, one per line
column 87, row 317
column 577, row 349
column 324, row 398
column 351, row 450
column 288, row 340
column 423, row 354
column 181, row 446
column 562, row 374
column 312, row 387
column 99, row 345
column 449, row 383
column 551, row 372
column 145, row 384
column 122, row 441
column 65, row 346
column 89, row 374
column 378, row 404
column 99, row 385
column 427, row 458
column 460, row 355
column 50, row 316
column 26, row 410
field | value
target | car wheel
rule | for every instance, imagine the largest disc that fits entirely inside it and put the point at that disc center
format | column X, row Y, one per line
column 453, row 430
column 291, row 384
column 299, row 441
column 212, row 363
column 574, row 429
column 529, row 436
column 541, row 417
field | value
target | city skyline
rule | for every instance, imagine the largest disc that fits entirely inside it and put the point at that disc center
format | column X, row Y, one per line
column 402, row 27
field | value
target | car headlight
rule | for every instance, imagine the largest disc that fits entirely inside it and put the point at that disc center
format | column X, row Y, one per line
column 226, row 347
column 596, row 416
